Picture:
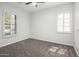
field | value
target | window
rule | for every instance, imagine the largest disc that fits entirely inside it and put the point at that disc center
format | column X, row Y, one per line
column 64, row 23
column 9, row 24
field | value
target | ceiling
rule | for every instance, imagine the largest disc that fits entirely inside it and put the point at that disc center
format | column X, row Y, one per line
column 31, row 8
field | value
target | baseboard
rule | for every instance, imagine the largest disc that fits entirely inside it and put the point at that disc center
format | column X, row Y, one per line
column 76, row 51
column 13, row 42
column 52, row 41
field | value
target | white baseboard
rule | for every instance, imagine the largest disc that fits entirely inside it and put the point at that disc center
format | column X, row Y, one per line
column 76, row 51
column 12, row 42
column 53, row 41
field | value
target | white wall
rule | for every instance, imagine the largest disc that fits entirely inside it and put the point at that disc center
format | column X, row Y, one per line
column 22, row 24
column 43, row 25
column 76, row 28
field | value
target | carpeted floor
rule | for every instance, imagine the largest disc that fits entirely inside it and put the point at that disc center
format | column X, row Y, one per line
column 36, row 48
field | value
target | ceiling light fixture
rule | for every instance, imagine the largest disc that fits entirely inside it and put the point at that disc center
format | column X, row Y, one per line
column 34, row 4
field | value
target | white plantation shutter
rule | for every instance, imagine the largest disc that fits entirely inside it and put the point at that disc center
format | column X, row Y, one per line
column 60, row 23
column 64, row 23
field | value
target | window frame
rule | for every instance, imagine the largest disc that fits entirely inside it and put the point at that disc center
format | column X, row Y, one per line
column 3, row 25
column 63, row 32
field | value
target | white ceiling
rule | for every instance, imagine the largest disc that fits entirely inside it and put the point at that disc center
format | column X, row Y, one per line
column 41, row 6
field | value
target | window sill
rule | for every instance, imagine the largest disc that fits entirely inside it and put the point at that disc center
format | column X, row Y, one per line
column 9, row 36
column 64, row 33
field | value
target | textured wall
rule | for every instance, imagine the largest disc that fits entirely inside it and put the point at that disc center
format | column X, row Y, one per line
column 22, row 24
column 44, row 25
column 76, row 28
